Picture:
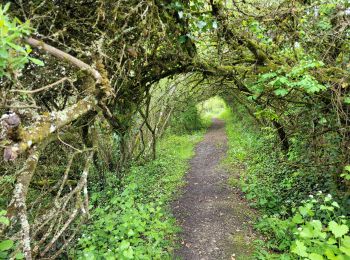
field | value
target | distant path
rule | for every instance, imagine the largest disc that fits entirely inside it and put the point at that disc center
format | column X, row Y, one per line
column 214, row 217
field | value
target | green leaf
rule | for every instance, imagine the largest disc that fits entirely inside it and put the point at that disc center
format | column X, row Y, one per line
column 312, row 229
column 6, row 245
column 314, row 256
column 330, row 254
column 129, row 253
column 281, row 92
column 182, row 39
column 297, row 219
column 3, row 53
column 328, row 208
column 331, row 241
column 345, row 176
column 36, row 61
column 267, row 76
column 280, row 81
column 335, row 204
column 124, row 245
column 4, row 220
column 338, row 230
column 346, row 241
column 310, row 84
column 307, row 232
column 6, row 8
column 130, row 233
column 16, row 47
column 306, row 210
column 299, row 248
column 345, row 250
column 328, row 198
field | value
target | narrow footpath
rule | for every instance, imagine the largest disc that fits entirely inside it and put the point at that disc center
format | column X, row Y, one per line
column 215, row 219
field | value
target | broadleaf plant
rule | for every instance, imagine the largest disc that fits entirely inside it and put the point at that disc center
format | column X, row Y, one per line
column 13, row 53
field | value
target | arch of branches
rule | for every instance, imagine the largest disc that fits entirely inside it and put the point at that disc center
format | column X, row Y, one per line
column 116, row 71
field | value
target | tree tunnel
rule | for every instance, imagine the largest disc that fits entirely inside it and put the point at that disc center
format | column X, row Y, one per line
column 90, row 86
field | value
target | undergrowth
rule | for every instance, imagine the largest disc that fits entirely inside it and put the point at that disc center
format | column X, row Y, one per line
column 301, row 217
column 132, row 220
column 187, row 120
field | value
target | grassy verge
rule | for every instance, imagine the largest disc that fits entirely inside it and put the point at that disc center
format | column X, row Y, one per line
column 297, row 222
column 133, row 221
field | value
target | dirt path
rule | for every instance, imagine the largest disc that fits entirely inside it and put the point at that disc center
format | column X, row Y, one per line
column 215, row 220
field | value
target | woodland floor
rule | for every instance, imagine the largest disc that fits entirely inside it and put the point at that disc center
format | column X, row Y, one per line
column 216, row 221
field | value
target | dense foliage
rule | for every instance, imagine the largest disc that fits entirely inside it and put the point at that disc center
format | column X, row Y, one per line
column 133, row 216
column 298, row 218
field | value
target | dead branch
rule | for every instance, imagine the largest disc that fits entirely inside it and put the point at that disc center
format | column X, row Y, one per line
column 64, row 56
column 18, row 206
column 39, row 89
column 56, row 120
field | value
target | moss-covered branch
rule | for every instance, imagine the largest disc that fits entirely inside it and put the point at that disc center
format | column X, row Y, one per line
column 49, row 124
column 64, row 56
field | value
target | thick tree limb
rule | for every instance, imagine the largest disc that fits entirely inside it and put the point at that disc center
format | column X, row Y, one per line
column 18, row 206
column 48, row 124
column 64, row 56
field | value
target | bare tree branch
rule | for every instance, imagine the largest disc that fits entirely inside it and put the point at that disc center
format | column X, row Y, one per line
column 64, row 56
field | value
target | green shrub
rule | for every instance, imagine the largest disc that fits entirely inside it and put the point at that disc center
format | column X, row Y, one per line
column 316, row 230
column 275, row 184
column 186, row 120
column 132, row 221
column 13, row 54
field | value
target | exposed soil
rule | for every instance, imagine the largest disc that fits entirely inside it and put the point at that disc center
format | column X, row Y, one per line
column 215, row 219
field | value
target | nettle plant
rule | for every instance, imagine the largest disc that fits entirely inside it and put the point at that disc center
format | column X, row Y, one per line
column 321, row 233
column 316, row 231
column 13, row 54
